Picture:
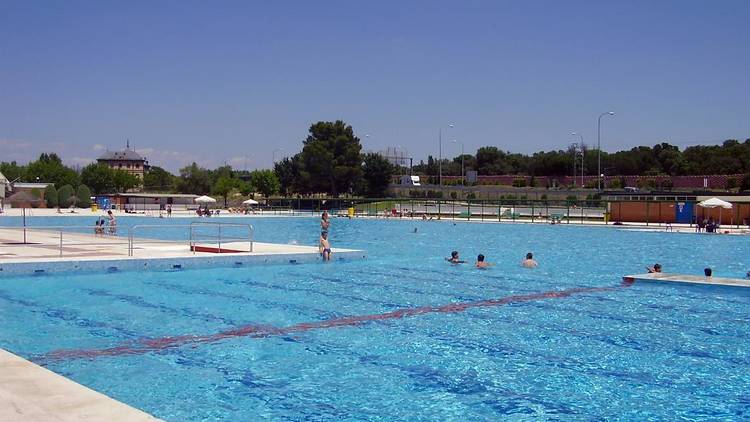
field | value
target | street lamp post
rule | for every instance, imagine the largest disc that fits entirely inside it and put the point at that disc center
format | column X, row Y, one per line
column 456, row 141
column 582, row 153
column 575, row 160
column 440, row 154
column 599, row 146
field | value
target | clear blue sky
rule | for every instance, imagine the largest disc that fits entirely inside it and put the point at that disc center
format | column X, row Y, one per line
column 218, row 81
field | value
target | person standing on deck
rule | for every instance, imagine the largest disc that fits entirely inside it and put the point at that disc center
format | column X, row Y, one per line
column 112, row 222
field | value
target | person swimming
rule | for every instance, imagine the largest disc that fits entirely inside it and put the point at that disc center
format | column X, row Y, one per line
column 529, row 261
column 481, row 263
column 708, row 272
column 655, row 269
column 455, row 259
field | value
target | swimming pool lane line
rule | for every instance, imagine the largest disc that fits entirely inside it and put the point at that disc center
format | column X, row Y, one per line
column 262, row 331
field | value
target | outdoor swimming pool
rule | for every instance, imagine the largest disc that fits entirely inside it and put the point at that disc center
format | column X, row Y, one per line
column 404, row 335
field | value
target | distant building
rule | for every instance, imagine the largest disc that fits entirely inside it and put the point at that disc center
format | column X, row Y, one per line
column 127, row 160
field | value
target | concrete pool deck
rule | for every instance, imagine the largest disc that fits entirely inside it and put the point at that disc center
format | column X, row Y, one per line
column 686, row 279
column 89, row 253
column 29, row 392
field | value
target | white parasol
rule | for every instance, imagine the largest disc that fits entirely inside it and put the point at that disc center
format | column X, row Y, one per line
column 205, row 200
column 250, row 202
column 715, row 203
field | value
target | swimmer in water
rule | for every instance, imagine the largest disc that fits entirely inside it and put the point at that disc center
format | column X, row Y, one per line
column 655, row 269
column 454, row 259
column 529, row 261
column 708, row 272
column 481, row 263
column 325, row 223
column 415, row 229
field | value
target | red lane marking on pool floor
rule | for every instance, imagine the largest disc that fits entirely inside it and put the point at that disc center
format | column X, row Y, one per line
column 261, row 331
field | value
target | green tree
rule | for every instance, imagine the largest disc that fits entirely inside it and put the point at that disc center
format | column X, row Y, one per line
column 64, row 194
column 377, row 173
column 265, row 182
column 124, row 181
column 223, row 186
column 194, row 179
column 51, row 196
column 83, row 195
column 330, row 160
column 158, row 180
column 245, row 188
column 50, row 169
column 99, row 177
column 288, row 173
column 745, row 186
column 12, row 171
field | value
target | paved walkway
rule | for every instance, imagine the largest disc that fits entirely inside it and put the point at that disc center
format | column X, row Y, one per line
column 44, row 245
column 29, row 392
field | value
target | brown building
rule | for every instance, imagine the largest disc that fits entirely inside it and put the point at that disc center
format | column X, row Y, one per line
column 127, row 160
column 676, row 208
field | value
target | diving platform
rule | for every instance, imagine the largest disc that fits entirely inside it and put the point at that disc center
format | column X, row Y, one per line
column 687, row 279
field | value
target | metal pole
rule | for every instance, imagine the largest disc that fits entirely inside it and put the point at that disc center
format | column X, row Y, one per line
column 440, row 157
column 599, row 152
column 463, row 180
column 219, row 237
column 599, row 147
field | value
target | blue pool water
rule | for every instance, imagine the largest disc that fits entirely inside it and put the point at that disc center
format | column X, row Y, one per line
column 403, row 335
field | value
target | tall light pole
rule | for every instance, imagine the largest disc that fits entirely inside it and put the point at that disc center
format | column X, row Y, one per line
column 456, row 141
column 440, row 154
column 582, row 153
column 599, row 146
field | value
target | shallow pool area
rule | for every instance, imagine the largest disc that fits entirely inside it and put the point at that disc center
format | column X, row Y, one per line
column 403, row 335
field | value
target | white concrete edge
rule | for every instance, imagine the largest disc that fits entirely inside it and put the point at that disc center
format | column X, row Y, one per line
column 29, row 392
column 69, row 266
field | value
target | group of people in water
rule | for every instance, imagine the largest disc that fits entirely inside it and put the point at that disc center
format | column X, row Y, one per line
column 708, row 272
column 481, row 263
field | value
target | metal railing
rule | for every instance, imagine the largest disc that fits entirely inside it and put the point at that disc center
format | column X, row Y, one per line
column 194, row 235
column 65, row 236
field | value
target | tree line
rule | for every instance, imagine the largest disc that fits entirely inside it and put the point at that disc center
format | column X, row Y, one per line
column 731, row 157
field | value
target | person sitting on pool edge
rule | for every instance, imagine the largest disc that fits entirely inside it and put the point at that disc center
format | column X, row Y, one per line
column 707, row 272
column 454, row 259
column 529, row 261
column 324, row 246
column 655, row 269
column 481, row 263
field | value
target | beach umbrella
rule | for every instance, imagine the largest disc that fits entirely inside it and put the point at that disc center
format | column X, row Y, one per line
column 250, row 202
column 24, row 199
column 204, row 200
column 716, row 203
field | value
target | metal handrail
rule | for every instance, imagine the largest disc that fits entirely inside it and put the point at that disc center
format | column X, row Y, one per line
column 193, row 236
column 113, row 239
column 60, row 230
